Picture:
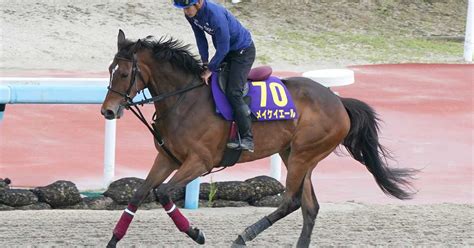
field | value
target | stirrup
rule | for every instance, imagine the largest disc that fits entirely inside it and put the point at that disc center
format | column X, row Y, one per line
column 247, row 146
column 233, row 145
column 239, row 145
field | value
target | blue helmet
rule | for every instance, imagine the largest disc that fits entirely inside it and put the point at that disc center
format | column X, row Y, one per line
column 182, row 4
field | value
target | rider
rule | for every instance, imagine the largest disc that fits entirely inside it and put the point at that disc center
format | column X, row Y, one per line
column 234, row 45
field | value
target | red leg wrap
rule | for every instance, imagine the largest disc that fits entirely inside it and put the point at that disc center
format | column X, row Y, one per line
column 124, row 222
column 178, row 218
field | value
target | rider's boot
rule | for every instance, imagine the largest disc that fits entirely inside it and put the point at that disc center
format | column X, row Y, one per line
column 244, row 123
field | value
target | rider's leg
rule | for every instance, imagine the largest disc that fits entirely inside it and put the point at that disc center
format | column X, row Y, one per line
column 244, row 122
column 240, row 65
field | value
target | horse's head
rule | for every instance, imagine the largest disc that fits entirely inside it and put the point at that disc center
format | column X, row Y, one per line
column 162, row 66
column 127, row 77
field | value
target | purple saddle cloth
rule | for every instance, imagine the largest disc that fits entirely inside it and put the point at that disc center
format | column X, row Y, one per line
column 270, row 100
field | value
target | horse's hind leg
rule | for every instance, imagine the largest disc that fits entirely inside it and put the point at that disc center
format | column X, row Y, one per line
column 291, row 201
column 161, row 169
column 309, row 202
column 310, row 209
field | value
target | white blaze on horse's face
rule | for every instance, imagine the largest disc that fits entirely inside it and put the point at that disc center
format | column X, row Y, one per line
column 112, row 107
column 113, row 72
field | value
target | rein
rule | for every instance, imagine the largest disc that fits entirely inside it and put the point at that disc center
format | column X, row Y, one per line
column 164, row 95
column 133, row 106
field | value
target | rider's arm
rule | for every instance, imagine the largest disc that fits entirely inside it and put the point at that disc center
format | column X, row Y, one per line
column 222, row 43
column 201, row 42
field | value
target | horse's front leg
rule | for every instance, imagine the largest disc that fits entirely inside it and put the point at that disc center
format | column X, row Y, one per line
column 162, row 168
column 191, row 169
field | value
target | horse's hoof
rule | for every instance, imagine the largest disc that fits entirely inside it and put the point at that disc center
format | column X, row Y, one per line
column 113, row 242
column 197, row 235
column 239, row 242
column 201, row 238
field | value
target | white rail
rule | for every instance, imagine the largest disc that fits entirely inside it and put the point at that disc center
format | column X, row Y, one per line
column 20, row 90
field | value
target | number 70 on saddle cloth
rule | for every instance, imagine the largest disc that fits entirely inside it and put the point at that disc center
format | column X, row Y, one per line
column 271, row 100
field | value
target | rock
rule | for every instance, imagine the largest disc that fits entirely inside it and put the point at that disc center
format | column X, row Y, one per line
column 122, row 190
column 234, row 191
column 178, row 194
column 17, row 197
column 264, row 186
column 250, row 190
column 5, row 184
column 98, row 203
column 151, row 205
column 59, row 194
column 6, row 207
column 36, row 206
column 203, row 203
column 204, row 190
column 180, row 203
column 268, row 201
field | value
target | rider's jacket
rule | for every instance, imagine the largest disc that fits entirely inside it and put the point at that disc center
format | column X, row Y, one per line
column 226, row 31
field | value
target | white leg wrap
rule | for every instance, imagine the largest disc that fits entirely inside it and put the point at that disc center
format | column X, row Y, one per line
column 129, row 212
column 171, row 209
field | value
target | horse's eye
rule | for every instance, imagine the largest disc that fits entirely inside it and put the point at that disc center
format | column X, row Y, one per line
column 124, row 75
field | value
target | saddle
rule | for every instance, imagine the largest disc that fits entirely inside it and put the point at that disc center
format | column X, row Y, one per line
column 266, row 95
column 260, row 73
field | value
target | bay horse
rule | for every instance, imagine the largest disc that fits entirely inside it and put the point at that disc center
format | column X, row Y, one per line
column 190, row 138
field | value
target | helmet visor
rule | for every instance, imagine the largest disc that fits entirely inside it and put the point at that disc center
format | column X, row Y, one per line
column 182, row 4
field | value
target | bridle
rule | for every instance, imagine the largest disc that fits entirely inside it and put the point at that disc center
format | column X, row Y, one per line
column 133, row 106
column 133, row 77
column 133, row 81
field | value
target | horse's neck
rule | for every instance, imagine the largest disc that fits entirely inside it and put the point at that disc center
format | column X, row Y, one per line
column 182, row 110
column 165, row 84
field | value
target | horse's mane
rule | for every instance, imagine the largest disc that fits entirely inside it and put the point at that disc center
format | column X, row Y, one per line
column 166, row 49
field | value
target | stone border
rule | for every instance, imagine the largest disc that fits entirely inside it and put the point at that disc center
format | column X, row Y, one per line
column 261, row 191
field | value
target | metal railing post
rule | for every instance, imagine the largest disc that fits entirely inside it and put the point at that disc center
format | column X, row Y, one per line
column 275, row 166
column 109, row 151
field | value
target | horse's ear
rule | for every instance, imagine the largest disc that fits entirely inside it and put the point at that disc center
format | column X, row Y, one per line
column 120, row 39
column 137, row 45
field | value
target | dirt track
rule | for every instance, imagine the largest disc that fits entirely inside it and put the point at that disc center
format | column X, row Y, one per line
column 348, row 224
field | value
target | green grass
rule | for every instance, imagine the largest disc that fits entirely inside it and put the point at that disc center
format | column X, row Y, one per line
column 264, row 59
column 212, row 193
column 372, row 48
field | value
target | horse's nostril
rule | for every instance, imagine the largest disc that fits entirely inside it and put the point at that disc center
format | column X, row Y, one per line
column 109, row 114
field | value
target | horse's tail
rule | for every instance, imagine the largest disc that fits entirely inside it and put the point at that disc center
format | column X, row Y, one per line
column 362, row 142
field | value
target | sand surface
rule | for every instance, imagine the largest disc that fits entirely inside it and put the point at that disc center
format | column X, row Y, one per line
column 342, row 224
column 81, row 35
